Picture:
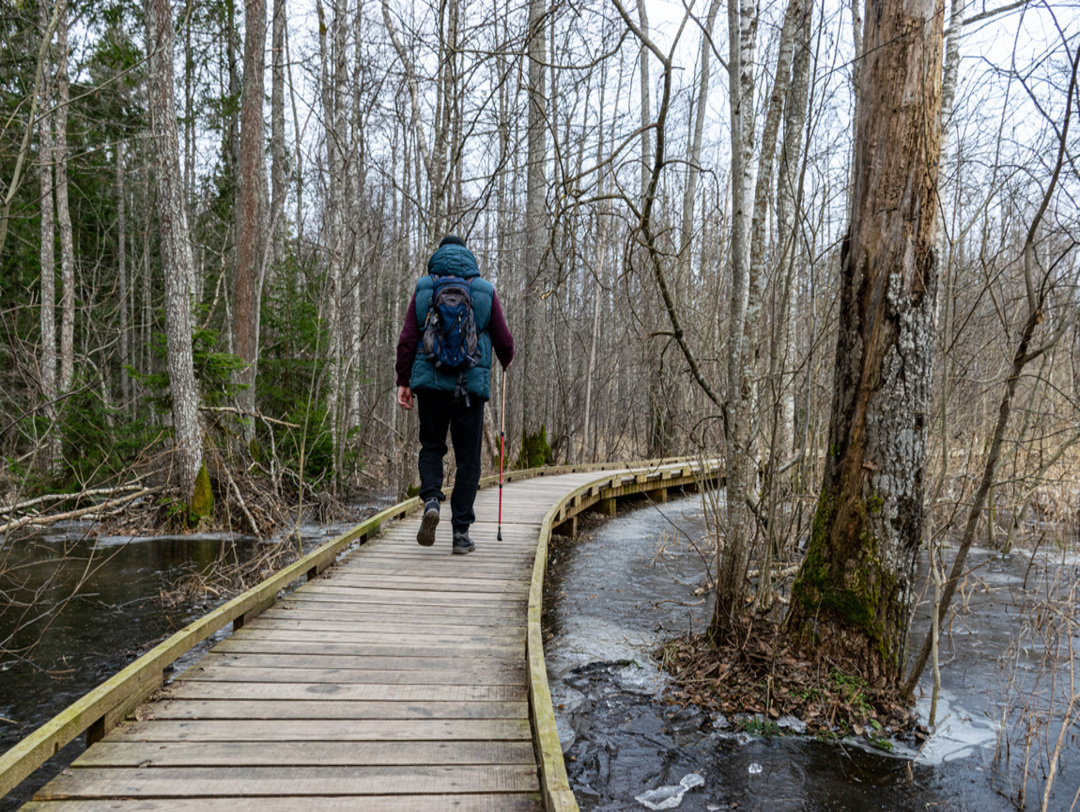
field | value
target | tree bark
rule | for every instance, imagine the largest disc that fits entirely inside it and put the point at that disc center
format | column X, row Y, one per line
column 731, row 588
column 63, row 209
column 535, row 220
column 122, row 278
column 175, row 244
column 788, row 200
column 278, row 161
column 852, row 599
column 250, row 242
column 48, row 359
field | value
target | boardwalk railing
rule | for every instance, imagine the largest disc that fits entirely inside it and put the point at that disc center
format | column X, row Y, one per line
column 107, row 705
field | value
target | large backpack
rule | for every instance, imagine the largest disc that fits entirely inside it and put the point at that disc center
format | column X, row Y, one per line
column 450, row 339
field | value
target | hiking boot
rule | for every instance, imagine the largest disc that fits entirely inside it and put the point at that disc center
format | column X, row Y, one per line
column 462, row 543
column 426, row 535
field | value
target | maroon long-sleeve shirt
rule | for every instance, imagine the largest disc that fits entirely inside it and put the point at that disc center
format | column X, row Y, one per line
column 502, row 342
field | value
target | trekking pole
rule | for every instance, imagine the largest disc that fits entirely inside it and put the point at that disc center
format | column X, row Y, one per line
column 502, row 442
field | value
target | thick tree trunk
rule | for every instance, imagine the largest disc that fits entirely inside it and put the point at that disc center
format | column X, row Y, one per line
column 175, row 245
column 852, row 598
column 250, row 242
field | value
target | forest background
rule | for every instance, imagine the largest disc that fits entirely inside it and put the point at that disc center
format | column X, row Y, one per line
column 213, row 217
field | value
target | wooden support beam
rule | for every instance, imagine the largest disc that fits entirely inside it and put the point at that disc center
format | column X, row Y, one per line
column 606, row 505
column 568, row 528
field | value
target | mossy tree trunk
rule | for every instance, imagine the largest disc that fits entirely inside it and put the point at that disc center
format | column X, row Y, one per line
column 852, row 598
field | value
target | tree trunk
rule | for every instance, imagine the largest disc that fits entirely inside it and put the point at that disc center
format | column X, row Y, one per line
column 853, row 596
column 63, row 210
column 48, row 271
column 122, row 279
column 535, row 221
column 250, row 237
column 175, row 245
column 788, row 201
column 278, row 167
column 731, row 588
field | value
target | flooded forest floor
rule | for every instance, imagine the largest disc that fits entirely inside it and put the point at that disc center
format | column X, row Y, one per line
column 626, row 604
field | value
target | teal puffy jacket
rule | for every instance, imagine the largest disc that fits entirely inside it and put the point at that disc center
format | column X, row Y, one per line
column 455, row 260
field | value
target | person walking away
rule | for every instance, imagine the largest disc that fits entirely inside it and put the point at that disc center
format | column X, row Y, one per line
column 451, row 391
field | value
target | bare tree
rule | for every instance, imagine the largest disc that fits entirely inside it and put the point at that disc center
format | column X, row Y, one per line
column 535, row 220
column 251, row 241
column 852, row 598
column 175, row 243
column 48, row 360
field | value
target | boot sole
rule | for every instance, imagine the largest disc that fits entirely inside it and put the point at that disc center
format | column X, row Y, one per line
column 464, row 550
column 426, row 535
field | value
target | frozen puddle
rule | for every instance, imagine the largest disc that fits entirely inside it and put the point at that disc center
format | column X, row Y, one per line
column 958, row 735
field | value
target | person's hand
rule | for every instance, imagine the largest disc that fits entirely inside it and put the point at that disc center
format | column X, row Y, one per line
column 404, row 397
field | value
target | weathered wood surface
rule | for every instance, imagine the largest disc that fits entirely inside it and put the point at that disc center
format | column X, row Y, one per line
column 395, row 680
column 405, row 678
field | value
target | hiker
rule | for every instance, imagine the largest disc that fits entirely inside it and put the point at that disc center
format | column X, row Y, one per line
column 449, row 371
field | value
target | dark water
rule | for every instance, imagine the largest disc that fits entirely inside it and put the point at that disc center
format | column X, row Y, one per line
column 616, row 595
column 85, row 608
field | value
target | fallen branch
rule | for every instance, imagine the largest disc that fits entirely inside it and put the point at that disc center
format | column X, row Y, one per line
column 74, row 514
column 64, row 497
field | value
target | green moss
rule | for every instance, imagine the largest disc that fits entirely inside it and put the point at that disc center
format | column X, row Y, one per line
column 535, row 450
column 852, row 598
column 202, row 500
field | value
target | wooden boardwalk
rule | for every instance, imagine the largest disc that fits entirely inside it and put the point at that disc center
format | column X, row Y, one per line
column 398, row 676
column 400, row 679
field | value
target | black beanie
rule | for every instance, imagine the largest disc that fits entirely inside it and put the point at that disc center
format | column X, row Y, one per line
column 452, row 239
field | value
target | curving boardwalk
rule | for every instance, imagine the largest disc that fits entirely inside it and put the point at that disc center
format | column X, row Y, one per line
column 397, row 680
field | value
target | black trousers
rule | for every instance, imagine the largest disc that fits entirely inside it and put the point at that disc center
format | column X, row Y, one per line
column 438, row 413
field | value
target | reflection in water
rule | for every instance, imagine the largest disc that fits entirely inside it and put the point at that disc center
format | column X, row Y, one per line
column 614, row 597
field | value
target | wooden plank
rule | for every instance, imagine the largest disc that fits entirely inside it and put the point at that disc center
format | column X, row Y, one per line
column 344, row 730
column 387, row 633
column 257, row 782
column 430, row 601
column 342, row 676
column 350, row 613
column 397, row 593
column 465, row 666
column 355, row 692
column 332, row 708
column 293, row 631
column 303, row 754
column 270, row 645
column 420, row 610
column 502, row 802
